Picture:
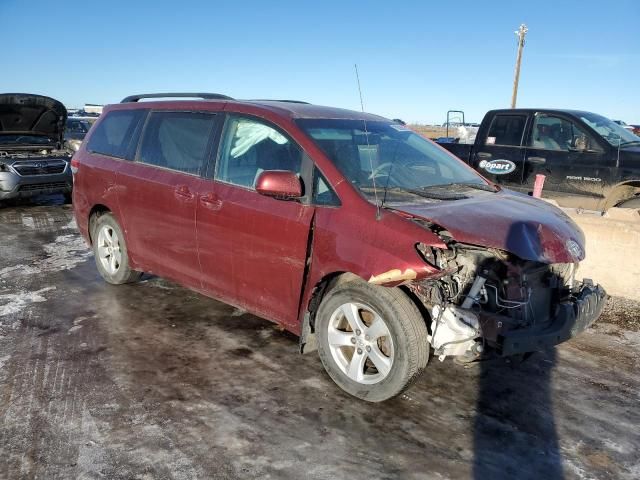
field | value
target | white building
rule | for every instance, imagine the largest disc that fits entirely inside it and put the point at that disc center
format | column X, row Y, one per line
column 92, row 108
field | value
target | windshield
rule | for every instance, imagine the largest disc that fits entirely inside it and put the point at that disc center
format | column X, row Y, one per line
column 391, row 157
column 610, row 131
column 78, row 126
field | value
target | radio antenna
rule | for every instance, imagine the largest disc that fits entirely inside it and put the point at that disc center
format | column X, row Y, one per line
column 366, row 135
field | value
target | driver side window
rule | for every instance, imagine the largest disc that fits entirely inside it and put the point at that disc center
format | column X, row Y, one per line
column 555, row 133
column 250, row 147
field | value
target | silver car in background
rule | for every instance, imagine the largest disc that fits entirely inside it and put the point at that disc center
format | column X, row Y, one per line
column 34, row 158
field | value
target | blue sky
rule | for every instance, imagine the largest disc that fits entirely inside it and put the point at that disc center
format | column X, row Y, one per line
column 417, row 59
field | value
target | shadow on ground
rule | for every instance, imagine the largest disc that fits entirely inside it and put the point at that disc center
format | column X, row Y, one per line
column 514, row 427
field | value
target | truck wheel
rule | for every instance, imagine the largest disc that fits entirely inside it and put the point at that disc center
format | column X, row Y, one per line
column 632, row 203
column 110, row 251
column 372, row 340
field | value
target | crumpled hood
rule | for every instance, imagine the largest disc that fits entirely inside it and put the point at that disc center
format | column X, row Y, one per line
column 28, row 114
column 526, row 227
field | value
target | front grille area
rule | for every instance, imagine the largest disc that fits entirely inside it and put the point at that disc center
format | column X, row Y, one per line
column 44, row 186
column 40, row 168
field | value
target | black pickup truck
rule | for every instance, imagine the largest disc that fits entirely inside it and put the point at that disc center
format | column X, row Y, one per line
column 589, row 161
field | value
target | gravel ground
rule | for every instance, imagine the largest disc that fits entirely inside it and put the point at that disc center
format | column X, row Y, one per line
column 622, row 312
column 153, row 381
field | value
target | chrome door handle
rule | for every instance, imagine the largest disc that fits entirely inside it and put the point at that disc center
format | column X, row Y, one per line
column 484, row 155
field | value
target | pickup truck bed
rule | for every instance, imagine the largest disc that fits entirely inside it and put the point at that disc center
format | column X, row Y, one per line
column 460, row 150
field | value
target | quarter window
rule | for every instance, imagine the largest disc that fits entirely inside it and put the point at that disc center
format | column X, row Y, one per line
column 251, row 147
column 506, row 130
column 177, row 140
column 112, row 135
column 323, row 194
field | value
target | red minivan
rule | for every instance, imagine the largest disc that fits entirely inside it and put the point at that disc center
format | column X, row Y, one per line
column 374, row 245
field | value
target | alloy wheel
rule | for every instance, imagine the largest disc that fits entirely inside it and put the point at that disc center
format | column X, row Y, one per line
column 360, row 343
column 109, row 251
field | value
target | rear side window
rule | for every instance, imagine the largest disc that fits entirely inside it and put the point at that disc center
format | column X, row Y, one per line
column 178, row 140
column 506, row 130
column 112, row 135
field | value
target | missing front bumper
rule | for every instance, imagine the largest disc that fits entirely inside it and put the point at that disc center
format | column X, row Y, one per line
column 572, row 317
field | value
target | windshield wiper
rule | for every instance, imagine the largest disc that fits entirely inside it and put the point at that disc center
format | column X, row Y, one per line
column 477, row 186
column 435, row 195
column 632, row 142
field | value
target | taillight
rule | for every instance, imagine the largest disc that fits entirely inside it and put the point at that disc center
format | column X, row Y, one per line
column 75, row 164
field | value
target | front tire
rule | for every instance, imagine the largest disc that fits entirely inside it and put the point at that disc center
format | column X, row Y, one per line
column 110, row 251
column 372, row 340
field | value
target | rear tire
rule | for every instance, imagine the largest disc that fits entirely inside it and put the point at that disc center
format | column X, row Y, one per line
column 110, row 251
column 372, row 340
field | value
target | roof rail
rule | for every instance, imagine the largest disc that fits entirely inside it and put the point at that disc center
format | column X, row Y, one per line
column 278, row 100
column 206, row 96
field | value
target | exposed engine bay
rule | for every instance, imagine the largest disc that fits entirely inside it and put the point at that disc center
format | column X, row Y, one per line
column 483, row 299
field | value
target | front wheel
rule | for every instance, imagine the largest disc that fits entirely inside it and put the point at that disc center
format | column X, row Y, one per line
column 110, row 251
column 372, row 340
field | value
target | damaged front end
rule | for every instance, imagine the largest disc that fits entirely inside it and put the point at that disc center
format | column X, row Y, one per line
column 485, row 300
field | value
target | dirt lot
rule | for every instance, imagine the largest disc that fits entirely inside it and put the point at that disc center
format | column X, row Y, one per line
column 152, row 381
column 432, row 131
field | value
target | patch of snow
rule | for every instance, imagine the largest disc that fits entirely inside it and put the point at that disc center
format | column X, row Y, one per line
column 64, row 253
column 71, row 225
column 3, row 360
column 27, row 221
column 12, row 303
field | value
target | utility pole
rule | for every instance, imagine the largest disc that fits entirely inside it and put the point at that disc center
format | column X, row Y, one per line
column 520, row 33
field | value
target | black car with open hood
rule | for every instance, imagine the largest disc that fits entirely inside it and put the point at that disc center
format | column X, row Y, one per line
column 33, row 157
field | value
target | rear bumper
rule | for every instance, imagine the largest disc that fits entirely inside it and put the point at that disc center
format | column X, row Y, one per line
column 16, row 186
column 571, row 318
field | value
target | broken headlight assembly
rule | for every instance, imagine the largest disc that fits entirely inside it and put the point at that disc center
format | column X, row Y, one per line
column 481, row 294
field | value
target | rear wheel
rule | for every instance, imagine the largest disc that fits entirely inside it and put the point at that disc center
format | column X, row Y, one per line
column 372, row 340
column 110, row 251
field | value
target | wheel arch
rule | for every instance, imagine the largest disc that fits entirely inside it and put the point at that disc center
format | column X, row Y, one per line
column 327, row 283
column 318, row 291
column 621, row 192
column 95, row 212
